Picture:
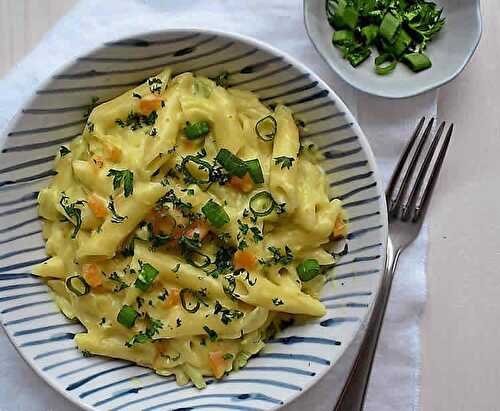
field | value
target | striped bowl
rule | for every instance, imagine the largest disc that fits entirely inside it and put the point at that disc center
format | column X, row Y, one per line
column 291, row 362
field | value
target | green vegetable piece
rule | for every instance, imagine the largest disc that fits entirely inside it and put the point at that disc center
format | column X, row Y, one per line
column 385, row 64
column 402, row 42
column 127, row 316
column 308, row 269
column 369, row 34
column 77, row 285
column 215, row 214
column 417, row 61
column 262, row 204
column 234, row 165
column 346, row 15
column 343, row 37
column 255, row 171
column 389, row 27
column 193, row 131
column 357, row 55
column 146, row 277
column 122, row 176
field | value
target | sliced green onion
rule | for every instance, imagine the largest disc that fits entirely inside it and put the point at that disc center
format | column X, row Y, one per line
column 77, row 285
column 201, row 164
column 127, row 316
column 199, row 260
column 255, row 171
column 146, row 277
column 389, row 27
column 266, row 128
column 216, row 215
column 417, row 61
column 342, row 37
column 262, row 204
column 369, row 34
column 347, row 16
column 193, row 131
column 358, row 54
column 234, row 165
column 187, row 294
column 385, row 64
column 308, row 269
column 402, row 42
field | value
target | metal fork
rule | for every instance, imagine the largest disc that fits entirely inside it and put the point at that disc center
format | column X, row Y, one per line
column 406, row 214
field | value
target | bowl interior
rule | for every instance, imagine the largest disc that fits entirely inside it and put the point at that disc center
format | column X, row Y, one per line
column 293, row 361
column 449, row 51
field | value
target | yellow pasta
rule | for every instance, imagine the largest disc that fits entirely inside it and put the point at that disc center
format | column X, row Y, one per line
column 185, row 225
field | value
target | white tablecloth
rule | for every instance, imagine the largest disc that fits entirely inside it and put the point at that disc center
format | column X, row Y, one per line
column 388, row 124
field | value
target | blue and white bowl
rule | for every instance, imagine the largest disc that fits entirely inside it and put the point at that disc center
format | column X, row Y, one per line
column 290, row 363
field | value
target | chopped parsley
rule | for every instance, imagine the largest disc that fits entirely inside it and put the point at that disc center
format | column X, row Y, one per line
column 155, row 85
column 284, row 161
column 125, row 177
column 136, row 95
column 120, row 284
column 223, row 261
column 212, row 335
column 228, row 356
column 73, row 212
column 278, row 257
column 64, row 151
column 178, row 322
column 136, row 120
column 103, row 321
column 222, row 79
column 153, row 328
column 115, row 217
column 164, row 295
column 277, row 301
column 90, row 126
column 176, row 268
column 86, row 353
column 280, row 208
column 227, row 315
column 153, row 132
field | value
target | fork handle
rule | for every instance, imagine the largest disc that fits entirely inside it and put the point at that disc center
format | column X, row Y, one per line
column 353, row 395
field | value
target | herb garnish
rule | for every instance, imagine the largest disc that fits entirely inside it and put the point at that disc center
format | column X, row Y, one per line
column 122, row 176
column 115, row 218
column 155, row 85
column 73, row 212
column 284, row 161
column 222, row 79
column 63, row 150
column 153, row 328
column 227, row 315
column 121, row 285
column 277, row 301
column 136, row 120
column 278, row 257
column 212, row 335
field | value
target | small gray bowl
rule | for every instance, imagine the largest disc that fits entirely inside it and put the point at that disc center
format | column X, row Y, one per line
column 450, row 51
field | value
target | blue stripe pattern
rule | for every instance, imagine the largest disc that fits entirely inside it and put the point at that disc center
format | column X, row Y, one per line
column 56, row 117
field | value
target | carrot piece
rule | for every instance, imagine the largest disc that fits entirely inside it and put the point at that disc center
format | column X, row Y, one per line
column 92, row 274
column 149, row 104
column 340, row 228
column 244, row 259
column 97, row 206
column 173, row 298
column 217, row 363
column 199, row 227
column 243, row 184
column 114, row 153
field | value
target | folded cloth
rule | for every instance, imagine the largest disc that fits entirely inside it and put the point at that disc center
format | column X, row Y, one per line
column 395, row 380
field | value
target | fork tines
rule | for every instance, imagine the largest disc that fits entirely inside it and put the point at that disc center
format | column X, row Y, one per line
column 412, row 206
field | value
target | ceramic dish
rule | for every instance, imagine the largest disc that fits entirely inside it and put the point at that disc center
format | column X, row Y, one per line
column 449, row 52
column 290, row 363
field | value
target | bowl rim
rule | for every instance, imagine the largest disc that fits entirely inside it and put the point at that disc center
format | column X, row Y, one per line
column 362, row 140
column 395, row 96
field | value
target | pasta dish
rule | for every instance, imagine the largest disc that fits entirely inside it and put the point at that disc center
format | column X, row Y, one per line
column 187, row 225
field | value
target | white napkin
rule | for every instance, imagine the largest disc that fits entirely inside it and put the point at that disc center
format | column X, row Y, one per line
column 388, row 125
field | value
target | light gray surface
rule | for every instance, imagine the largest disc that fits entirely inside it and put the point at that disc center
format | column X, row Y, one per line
column 449, row 51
